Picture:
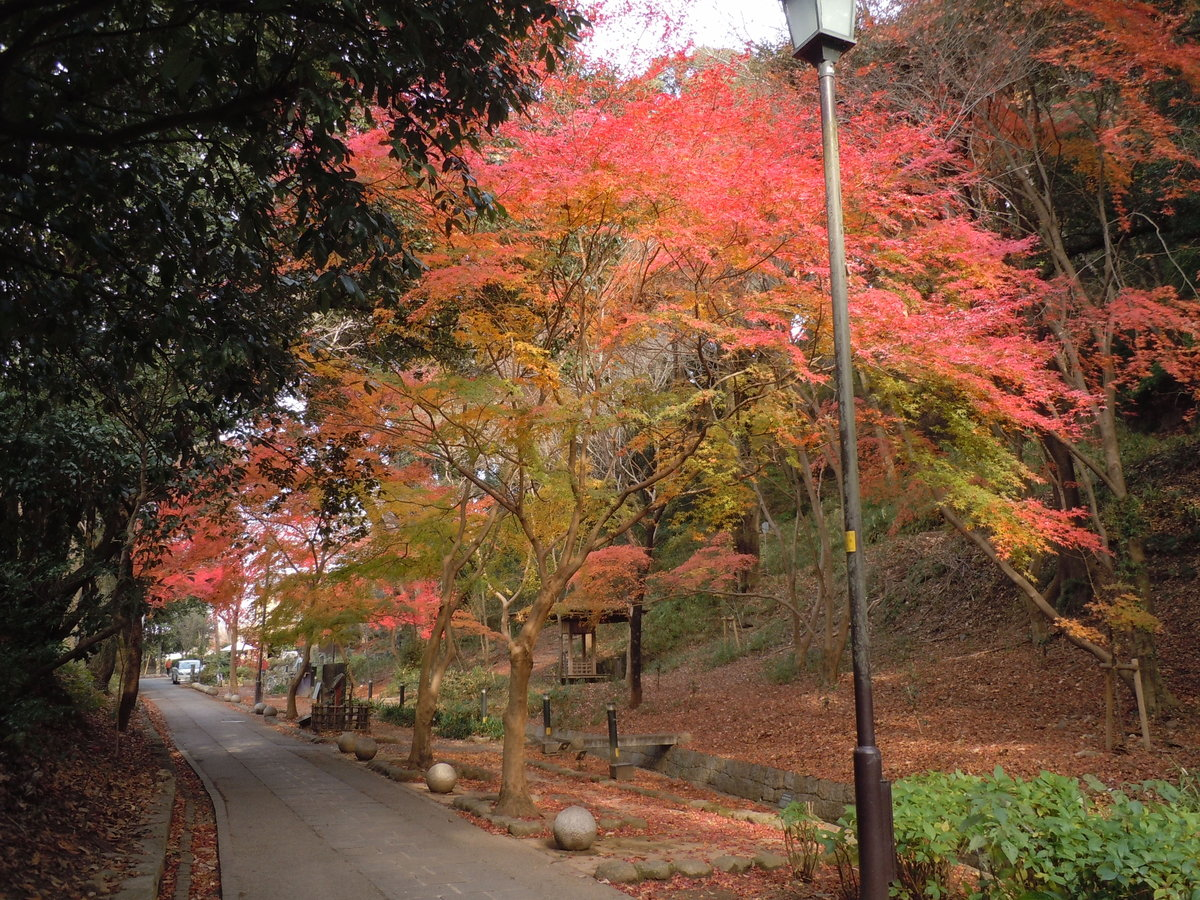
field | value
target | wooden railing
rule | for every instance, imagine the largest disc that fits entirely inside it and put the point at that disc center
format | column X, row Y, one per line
column 348, row 716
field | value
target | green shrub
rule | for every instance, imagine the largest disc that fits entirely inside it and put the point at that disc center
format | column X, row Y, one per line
column 841, row 848
column 1138, row 849
column 928, row 811
column 726, row 652
column 1032, row 835
column 463, row 687
column 781, row 670
column 802, row 839
column 456, row 723
column 408, row 676
column 769, row 634
column 395, row 714
column 491, row 728
column 75, row 678
column 1046, row 838
column 1188, row 791
column 678, row 623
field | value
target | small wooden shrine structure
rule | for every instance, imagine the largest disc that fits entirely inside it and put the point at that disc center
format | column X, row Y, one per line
column 577, row 641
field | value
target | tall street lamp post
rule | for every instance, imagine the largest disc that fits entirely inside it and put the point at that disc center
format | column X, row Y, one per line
column 821, row 31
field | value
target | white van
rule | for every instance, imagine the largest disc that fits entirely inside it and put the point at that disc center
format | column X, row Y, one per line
column 186, row 671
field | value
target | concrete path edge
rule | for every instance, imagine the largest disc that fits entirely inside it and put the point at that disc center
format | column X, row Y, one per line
column 151, row 855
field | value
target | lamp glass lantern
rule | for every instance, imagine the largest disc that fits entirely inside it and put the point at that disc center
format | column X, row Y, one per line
column 821, row 30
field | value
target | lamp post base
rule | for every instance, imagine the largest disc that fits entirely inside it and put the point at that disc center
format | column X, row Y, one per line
column 873, row 804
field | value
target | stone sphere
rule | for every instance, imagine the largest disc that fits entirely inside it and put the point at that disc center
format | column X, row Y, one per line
column 270, row 711
column 365, row 748
column 441, row 778
column 574, row 828
column 231, row 698
column 258, row 708
column 346, row 741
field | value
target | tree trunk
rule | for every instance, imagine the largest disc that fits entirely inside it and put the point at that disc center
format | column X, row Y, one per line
column 439, row 651
column 635, row 653
column 1129, row 542
column 104, row 664
column 833, row 641
column 747, row 539
column 234, row 637
column 1144, row 648
column 131, row 669
column 294, row 686
column 514, row 787
column 834, row 661
column 1071, row 588
column 649, row 539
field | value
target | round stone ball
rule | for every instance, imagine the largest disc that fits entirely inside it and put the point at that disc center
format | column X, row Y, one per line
column 269, row 711
column 574, row 828
column 365, row 748
column 258, row 708
column 346, row 741
column 231, row 698
column 441, row 778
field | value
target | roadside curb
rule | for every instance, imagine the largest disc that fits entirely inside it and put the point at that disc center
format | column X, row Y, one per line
column 150, row 859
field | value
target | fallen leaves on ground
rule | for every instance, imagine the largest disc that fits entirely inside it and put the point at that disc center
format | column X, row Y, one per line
column 71, row 814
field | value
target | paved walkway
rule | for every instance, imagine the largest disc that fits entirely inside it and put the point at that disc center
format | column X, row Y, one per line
column 296, row 821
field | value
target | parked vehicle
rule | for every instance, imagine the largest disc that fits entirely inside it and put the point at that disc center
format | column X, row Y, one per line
column 185, row 671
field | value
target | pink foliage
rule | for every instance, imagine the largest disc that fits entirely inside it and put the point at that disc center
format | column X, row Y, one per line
column 714, row 567
column 611, row 578
column 415, row 603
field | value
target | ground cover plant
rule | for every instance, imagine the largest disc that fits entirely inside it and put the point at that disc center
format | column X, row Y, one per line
column 1045, row 837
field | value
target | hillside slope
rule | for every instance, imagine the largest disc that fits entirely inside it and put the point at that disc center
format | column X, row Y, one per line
column 958, row 682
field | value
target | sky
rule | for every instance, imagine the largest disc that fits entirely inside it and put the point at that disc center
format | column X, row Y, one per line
column 731, row 23
column 710, row 23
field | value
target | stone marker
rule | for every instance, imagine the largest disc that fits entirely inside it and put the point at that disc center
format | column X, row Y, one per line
column 734, row 865
column 365, row 748
column 769, row 861
column 521, row 828
column 693, row 868
column 258, row 708
column 269, row 711
column 617, row 871
column 346, row 741
column 574, row 828
column 441, row 778
column 654, row 869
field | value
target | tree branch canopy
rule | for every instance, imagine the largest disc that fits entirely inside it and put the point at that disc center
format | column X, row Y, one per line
column 178, row 200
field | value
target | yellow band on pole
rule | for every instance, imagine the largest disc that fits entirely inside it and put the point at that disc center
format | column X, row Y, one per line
column 851, row 542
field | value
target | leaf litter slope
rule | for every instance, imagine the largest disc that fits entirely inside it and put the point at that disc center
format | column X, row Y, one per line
column 957, row 685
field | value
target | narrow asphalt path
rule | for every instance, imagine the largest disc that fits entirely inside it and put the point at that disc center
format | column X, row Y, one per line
column 296, row 821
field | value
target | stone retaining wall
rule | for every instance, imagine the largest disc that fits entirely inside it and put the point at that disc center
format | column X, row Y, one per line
column 748, row 780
